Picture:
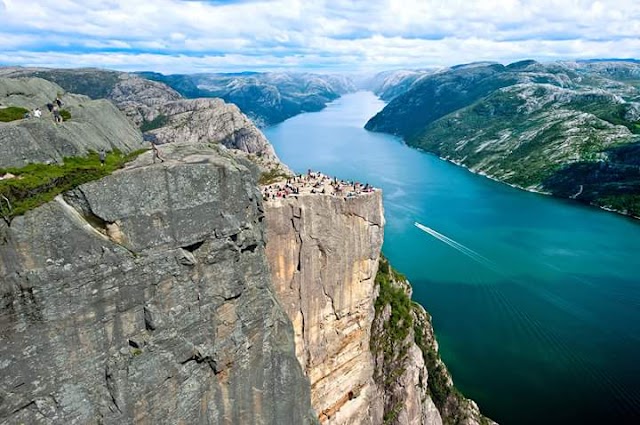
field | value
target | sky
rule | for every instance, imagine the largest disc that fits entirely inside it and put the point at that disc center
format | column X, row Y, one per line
column 173, row 36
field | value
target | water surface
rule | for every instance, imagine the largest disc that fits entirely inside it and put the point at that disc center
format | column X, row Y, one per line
column 537, row 311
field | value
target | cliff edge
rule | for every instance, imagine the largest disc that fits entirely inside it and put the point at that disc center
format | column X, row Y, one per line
column 369, row 351
column 144, row 297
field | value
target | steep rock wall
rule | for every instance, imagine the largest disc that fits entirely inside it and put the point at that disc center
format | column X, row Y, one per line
column 145, row 298
column 415, row 385
column 323, row 252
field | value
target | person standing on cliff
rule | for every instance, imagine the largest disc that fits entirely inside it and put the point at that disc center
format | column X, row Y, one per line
column 156, row 153
column 103, row 155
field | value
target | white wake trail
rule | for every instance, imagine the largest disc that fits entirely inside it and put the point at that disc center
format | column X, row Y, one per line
column 458, row 246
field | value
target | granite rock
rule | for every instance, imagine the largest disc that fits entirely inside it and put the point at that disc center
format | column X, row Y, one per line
column 323, row 251
column 145, row 298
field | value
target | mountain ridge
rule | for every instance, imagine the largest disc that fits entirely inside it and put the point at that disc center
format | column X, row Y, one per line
column 554, row 128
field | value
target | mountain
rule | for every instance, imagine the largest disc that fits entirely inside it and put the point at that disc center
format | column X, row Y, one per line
column 172, row 292
column 266, row 98
column 389, row 84
column 571, row 129
column 160, row 112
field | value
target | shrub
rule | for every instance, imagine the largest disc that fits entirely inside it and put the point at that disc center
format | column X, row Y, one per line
column 12, row 113
column 157, row 122
column 66, row 115
column 272, row 175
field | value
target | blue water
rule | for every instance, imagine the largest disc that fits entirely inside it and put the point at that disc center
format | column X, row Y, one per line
column 544, row 327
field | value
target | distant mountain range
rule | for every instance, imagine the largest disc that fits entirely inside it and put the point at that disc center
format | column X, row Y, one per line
column 267, row 98
column 571, row 129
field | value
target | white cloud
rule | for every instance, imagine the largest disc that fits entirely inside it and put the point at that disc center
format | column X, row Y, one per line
column 183, row 36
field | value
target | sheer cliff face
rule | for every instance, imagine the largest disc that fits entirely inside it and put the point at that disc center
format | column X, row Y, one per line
column 145, row 298
column 323, row 253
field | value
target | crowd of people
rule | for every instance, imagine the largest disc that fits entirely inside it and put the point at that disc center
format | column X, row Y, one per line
column 53, row 107
column 314, row 183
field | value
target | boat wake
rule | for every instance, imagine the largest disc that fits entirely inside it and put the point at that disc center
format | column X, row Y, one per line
column 459, row 247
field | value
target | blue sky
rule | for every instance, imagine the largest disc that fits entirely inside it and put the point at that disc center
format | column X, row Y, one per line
column 174, row 36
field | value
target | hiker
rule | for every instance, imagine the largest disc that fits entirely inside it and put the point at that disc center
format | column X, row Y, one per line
column 58, row 102
column 37, row 113
column 103, row 156
column 56, row 115
column 156, row 153
column 50, row 107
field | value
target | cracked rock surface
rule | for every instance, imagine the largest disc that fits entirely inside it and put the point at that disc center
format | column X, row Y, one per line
column 145, row 298
column 323, row 251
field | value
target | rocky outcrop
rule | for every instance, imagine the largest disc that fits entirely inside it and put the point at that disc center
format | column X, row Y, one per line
column 368, row 350
column 145, row 298
column 414, row 384
column 94, row 124
column 160, row 112
column 323, row 251
column 140, row 99
column 208, row 121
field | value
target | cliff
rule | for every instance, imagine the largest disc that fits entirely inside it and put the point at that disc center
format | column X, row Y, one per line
column 144, row 297
column 323, row 252
column 94, row 124
column 151, row 295
column 415, row 385
column 369, row 351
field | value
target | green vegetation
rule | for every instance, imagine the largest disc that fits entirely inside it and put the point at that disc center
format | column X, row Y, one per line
column 95, row 83
column 401, row 320
column 391, row 414
column 391, row 339
column 531, row 125
column 606, row 110
column 12, row 113
column 272, row 176
column 438, row 382
column 36, row 184
column 627, row 203
column 66, row 115
column 157, row 122
column 136, row 352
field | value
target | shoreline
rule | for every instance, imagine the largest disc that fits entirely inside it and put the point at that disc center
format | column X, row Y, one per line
column 530, row 190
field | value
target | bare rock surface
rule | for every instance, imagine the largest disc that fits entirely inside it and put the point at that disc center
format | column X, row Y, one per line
column 323, row 251
column 94, row 124
column 145, row 298
column 211, row 121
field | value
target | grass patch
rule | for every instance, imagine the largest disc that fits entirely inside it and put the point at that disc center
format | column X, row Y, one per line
column 12, row 113
column 157, row 122
column 66, row 115
column 272, row 176
column 36, row 184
